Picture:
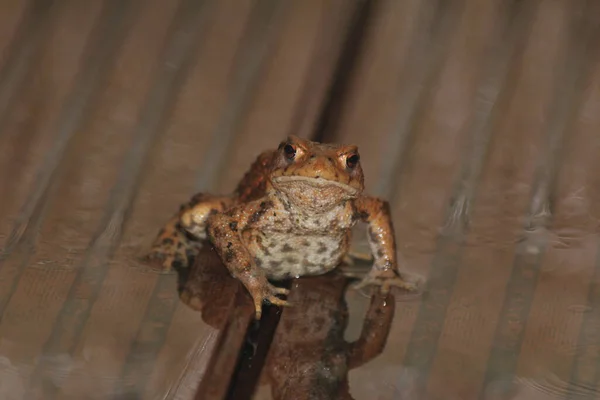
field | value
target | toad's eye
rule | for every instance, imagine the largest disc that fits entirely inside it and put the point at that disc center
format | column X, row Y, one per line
column 289, row 151
column 352, row 161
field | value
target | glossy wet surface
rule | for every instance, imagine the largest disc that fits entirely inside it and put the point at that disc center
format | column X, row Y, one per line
column 478, row 120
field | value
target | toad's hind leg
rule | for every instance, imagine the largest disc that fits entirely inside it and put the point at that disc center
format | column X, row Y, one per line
column 180, row 240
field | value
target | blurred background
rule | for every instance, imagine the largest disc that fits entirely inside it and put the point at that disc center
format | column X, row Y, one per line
column 478, row 120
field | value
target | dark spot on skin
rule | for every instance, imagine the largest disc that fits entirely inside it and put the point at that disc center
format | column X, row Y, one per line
column 330, row 159
column 168, row 241
column 353, row 208
column 317, row 176
column 229, row 244
column 274, row 214
column 229, row 255
column 263, row 208
column 258, row 262
column 263, row 248
column 291, row 260
column 286, row 248
column 360, row 215
column 322, row 248
column 233, row 226
column 275, row 264
column 308, row 264
column 380, row 253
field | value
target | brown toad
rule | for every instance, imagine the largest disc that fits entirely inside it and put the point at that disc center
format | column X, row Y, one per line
column 290, row 216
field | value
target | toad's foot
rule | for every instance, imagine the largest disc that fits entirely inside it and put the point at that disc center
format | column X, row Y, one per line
column 385, row 280
column 268, row 292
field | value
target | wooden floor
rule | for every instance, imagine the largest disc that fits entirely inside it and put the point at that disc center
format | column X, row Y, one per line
column 478, row 120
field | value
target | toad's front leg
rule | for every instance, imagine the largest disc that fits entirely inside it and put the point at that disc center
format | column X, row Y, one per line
column 384, row 273
column 224, row 231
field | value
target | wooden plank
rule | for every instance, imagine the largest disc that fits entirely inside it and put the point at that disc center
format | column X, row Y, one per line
column 78, row 206
column 333, row 28
column 578, row 206
column 24, row 26
column 15, row 27
column 98, row 335
column 508, row 170
column 111, row 131
column 180, row 152
column 30, row 132
column 17, row 294
column 401, row 121
column 557, row 328
column 270, row 114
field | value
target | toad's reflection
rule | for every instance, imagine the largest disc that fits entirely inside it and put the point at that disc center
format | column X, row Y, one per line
column 308, row 358
column 207, row 287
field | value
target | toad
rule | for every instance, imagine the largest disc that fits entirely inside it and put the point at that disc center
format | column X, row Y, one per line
column 290, row 216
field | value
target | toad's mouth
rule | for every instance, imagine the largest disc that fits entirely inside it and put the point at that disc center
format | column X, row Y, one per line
column 317, row 183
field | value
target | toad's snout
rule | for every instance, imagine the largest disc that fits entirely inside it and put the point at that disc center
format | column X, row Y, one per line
column 321, row 167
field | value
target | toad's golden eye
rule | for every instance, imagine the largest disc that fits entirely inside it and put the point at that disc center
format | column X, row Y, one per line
column 352, row 161
column 289, row 151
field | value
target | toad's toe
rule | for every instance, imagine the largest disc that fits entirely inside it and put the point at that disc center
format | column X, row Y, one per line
column 386, row 282
column 279, row 290
column 268, row 292
column 277, row 301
